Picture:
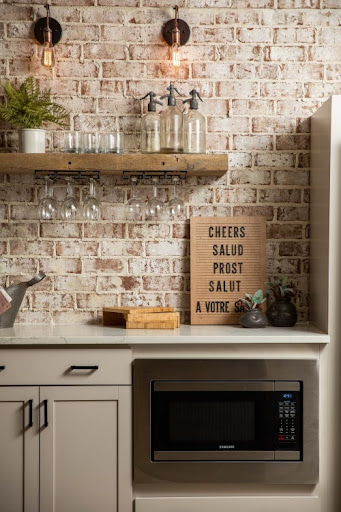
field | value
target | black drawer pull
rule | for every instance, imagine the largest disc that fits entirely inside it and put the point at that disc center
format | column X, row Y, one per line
column 2, row 367
column 30, row 405
column 46, row 421
column 76, row 367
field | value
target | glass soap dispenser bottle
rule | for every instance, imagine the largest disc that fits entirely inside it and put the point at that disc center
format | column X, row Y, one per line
column 150, row 126
column 194, row 126
column 171, row 123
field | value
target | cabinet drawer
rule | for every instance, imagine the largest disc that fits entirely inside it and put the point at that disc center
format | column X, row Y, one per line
column 64, row 366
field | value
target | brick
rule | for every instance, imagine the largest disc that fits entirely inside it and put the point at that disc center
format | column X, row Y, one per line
column 118, row 69
column 106, row 266
column 254, row 211
column 212, row 35
column 80, row 32
column 197, row 195
column 284, row 266
column 206, row 3
column 43, row 300
column 166, row 248
column 237, row 17
column 273, row 125
column 60, row 265
column 177, row 300
column 73, row 317
column 142, row 299
column 3, row 211
column 239, row 160
column 254, row 35
column 95, row 301
column 272, row 195
column 76, row 248
column 148, row 231
column 252, row 4
column 236, row 195
column 297, row 108
column 17, row 265
column 118, row 283
column 108, row 230
column 331, row 4
column 102, row 15
column 140, row 266
column 31, row 247
column 321, row 90
column 253, row 107
column 216, row 140
column 17, row 193
column 275, row 17
column 333, row 71
column 284, row 53
column 281, row 89
column 284, row 231
column 289, row 177
column 230, row 52
column 151, row 52
column 104, row 51
column 299, row 4
column 293, row 142
column 126, row 248
column 75, row 283
column 290, row 213
column 15, row 12
column 248, row 142
column 294, row 35
column 76, row 69
column 24, row 230
column 305, row 70
column 252, row 70
column 324, row 53
column 56, row 230
column 162, row 69
column 250, row 177
column 228, row 124
column 181, row 266
column 220, row 70
column 33, row 317
column 294, row 248
column 165, row 283
column 3, row 248
column 119, row 3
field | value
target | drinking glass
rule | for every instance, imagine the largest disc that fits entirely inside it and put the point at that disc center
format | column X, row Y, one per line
column 114, row 142
column 176, row 206
column 133, row 207
column 70, row 206
column 73, row 142
column 155, row 207
column 93, row 142
column 92, row 207
column 48, row 205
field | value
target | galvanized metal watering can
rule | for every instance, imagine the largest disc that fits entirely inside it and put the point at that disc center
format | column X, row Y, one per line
column 17, row 292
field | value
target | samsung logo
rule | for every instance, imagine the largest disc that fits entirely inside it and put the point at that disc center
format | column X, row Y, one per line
column 226, row 447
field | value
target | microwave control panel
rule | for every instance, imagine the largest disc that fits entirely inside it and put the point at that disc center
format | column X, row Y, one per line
column 288, row 412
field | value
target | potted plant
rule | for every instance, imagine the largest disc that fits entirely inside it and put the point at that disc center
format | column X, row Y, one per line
column 282, row 312
column 254, row 316
column 28, row 108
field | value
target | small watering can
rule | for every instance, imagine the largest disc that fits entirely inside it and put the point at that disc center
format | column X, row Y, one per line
column 17, row 292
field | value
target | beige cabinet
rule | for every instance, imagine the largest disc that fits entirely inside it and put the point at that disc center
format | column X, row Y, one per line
column 19, row 449
column 65, row 447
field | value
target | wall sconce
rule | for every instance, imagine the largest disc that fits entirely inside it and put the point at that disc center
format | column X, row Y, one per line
column 48, row 32
column 176, row 33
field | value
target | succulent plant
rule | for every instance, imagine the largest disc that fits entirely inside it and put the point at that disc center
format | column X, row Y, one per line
column 253, row 301
column 29, row 107
column 280, row 288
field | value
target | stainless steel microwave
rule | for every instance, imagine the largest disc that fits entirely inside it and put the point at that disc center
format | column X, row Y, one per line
column 226, row 421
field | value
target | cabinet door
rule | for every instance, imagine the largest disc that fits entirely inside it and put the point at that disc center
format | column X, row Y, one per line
column 83, row 468
column 19, row 449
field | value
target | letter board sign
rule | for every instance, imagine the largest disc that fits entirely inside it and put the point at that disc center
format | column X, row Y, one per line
column 228, row 259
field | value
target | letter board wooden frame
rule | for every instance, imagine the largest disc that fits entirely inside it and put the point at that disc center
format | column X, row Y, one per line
column 228, row 259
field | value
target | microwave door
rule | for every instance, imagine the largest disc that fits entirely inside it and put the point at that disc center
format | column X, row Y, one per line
column 212, row 420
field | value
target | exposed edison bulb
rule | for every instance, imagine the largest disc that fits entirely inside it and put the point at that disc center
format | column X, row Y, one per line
column 47, row 58
column 176, row 55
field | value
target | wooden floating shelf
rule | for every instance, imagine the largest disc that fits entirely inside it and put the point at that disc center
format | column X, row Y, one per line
column 114, row 164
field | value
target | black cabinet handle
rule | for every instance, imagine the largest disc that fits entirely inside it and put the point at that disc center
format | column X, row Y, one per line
column 2, row 367
column 46, row 421
column 30, row 405
column 77, row 367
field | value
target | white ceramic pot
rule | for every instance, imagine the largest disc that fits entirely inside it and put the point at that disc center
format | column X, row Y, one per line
column 31, row 140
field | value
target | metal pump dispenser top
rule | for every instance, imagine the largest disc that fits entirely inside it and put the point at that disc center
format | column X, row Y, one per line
column 193, row 102
column 152, row 102
column 170, row 96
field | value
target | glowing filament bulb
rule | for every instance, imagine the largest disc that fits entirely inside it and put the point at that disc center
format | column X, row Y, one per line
column 47, row 58
column 176, row 46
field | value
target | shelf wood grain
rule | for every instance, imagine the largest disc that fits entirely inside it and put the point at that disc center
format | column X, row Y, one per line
column 108, row 164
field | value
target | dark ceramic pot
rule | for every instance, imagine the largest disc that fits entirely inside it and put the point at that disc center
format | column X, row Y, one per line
column 254, row 318
column 282, row 313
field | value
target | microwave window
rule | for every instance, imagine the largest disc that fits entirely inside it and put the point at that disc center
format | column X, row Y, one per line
column 209, row 421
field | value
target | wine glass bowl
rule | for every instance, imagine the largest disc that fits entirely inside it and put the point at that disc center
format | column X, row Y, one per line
column 134, row 206
column 155, row 207
column 48, row 205
column 70, row 206
column 91, row 206
column 176, row 206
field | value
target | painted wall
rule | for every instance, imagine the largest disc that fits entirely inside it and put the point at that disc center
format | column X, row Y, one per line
column 262, row 67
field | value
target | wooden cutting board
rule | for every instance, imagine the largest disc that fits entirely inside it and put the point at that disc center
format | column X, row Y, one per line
column 142, row 317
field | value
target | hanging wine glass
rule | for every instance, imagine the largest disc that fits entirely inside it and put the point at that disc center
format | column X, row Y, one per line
column 176, row 206
column 48, row 205
column 155, row 207
column 133, row 207
column 92, row 207
column 70, row 206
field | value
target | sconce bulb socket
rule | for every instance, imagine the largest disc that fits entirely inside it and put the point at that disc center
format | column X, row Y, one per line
column 40, row 28
column 169, row 27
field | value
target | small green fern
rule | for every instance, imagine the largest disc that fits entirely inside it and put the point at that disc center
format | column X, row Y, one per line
column 29, row 107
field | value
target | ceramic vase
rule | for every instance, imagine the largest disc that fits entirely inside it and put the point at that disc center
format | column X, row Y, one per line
column 253, row 318
column 282, row 313
column 31, row 140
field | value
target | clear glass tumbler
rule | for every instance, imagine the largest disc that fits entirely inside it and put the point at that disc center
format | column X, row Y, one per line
column 73, row 142
column 114, row 142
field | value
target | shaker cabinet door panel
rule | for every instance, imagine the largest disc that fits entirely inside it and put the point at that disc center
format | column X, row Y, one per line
column 79, row 448
column 19, row 449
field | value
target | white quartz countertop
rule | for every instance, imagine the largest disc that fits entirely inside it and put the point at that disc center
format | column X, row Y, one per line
column 33, row 334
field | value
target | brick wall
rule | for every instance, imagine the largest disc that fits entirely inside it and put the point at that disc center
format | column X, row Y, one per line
column 262, row 66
